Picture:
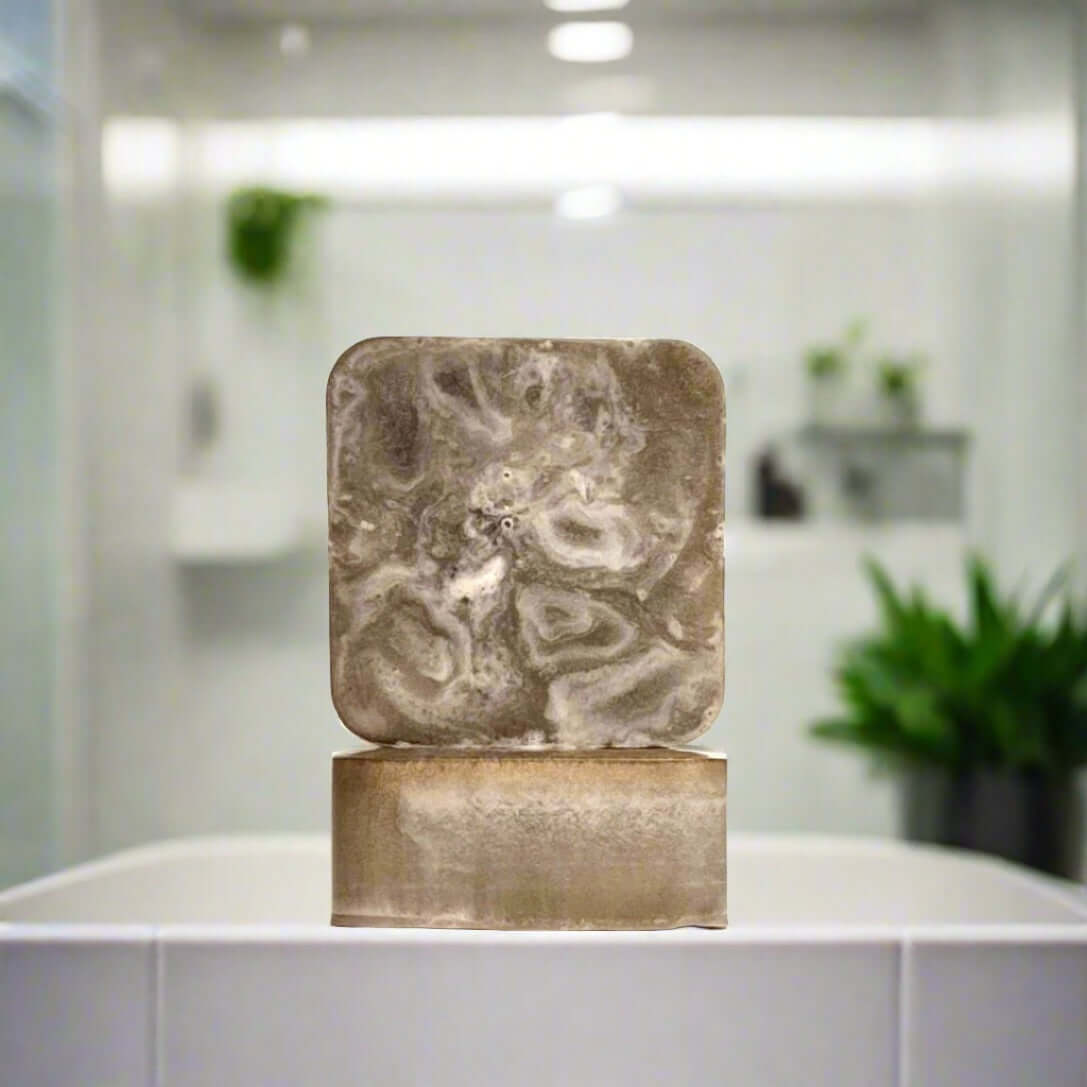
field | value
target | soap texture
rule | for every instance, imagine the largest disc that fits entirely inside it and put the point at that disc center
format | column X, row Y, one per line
column 526, row 541
column 458, row 838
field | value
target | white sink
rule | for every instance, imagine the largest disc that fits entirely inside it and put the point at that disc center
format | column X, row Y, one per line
column 846, row 962
column 778, row 881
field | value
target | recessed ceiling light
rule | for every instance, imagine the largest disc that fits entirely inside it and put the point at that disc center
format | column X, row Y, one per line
column 293, row 40
column 590, row 43
column 589, row 202
column 569, row 7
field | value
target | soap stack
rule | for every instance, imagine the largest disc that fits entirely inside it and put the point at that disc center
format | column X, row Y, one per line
column 526, row 613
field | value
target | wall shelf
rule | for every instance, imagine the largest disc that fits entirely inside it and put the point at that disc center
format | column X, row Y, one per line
column 884, row 472
column 222, row 522
column 953, row 439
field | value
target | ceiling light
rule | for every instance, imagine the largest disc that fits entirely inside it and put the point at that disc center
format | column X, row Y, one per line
column 294, row 40
column 570, row 7
column 588, row 202
column 653, row 160
column 141, row 156
column 589, row 43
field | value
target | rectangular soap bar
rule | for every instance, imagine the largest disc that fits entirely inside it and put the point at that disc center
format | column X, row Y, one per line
column 609, row 839
column 526, row 541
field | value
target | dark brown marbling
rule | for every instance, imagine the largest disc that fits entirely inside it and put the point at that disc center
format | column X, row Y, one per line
column 526, row 541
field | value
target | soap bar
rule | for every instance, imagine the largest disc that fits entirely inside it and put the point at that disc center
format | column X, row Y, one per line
column 526, row 541
column 457, row 838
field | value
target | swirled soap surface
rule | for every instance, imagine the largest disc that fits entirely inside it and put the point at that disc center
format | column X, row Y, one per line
column 526, row 541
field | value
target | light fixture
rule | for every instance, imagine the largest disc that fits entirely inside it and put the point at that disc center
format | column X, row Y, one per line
column 590, row 43
column 141, row 156
column 294, row 40
column 571, row 7
column 589, row 202
column 653, row 160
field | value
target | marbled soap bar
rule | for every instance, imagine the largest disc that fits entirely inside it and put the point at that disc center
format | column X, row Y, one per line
column 526, row 541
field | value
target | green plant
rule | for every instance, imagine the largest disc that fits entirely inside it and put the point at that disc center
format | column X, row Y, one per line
column 898, row 378
column 261, row 224
column 826, row 361
column 856, row 332
column 1005, row 690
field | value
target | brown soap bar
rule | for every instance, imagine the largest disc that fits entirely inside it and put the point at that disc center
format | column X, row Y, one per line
column 613, row 839
column 526, row 541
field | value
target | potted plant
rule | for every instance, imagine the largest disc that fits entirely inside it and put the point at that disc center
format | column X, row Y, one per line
column 827, row 366
column 897, row 380
column 261, row 227
column 265, row 330
column 986, row 721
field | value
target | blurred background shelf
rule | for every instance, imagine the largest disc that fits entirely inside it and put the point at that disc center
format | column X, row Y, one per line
column 218, row 522
column 953, row 439
column 883, row 473
column 755, row 546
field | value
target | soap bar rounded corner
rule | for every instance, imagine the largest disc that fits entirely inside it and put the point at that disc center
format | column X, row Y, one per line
column 356, row 722
column 356, row 358
column 696, row 356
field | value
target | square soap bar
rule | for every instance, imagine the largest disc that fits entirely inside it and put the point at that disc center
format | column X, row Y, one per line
column 526, row 541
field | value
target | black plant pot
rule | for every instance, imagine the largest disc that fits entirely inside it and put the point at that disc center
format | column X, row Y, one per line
column 1026, row 818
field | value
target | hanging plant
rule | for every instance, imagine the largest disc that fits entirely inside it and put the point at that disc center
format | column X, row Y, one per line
column 261, row 227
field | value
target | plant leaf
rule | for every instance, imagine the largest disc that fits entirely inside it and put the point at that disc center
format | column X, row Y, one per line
column 1007, row 689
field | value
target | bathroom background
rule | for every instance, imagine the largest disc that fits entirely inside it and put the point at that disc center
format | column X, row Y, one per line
column 760, row 178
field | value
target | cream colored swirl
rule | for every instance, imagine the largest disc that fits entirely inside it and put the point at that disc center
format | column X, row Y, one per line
column 636, row 702
column 561, row 627
column 584, row 535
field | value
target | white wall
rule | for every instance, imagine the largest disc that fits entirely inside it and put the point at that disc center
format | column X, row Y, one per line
column 230, row 663
column 209, row 686
column 751, row 286
column 1012, row 261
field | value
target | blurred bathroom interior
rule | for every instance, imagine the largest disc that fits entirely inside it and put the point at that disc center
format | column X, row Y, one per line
column 204, row 202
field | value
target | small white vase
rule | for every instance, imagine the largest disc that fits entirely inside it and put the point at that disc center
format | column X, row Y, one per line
column 898, row 412
column 827, row 400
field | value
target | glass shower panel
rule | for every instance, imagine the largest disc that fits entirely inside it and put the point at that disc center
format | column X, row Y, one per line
column 28, row 491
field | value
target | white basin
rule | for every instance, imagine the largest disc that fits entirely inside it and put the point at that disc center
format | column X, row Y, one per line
column 778, row 881
column 846, row 962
